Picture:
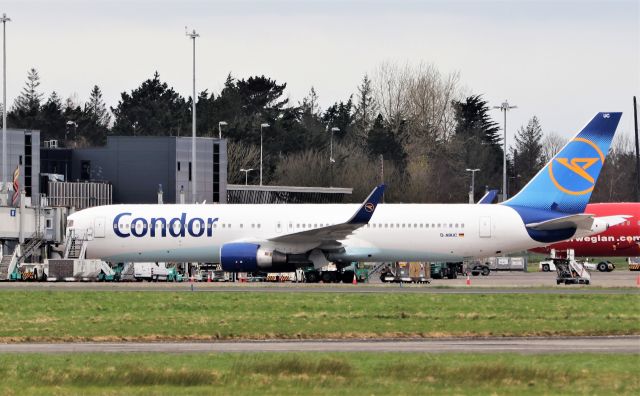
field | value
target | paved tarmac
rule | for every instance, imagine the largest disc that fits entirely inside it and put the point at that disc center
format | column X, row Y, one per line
column 614, row 345
column 617, row 282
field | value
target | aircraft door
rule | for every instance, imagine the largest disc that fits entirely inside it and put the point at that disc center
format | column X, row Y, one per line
column 485, row 227
column 98, row 225
column 279, row 226
column 290, row 228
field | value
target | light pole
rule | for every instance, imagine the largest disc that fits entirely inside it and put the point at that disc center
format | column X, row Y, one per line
column 3, row 190
column 473, row 182
column 504, row 107
column 331, row 159
column 194, row 185
column 262, row 126
column 246, row 174
column 220, row 124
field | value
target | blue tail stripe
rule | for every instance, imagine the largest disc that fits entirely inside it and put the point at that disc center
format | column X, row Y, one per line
column 565, row 184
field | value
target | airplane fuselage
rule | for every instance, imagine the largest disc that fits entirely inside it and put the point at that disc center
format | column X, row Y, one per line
column 399, row 232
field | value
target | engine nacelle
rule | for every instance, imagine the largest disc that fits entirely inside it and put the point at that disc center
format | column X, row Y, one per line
column 250, row 257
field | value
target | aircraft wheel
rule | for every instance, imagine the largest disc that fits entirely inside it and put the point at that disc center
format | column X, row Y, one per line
column 485, row 271
column 312, row 277
column 602, row 266
column 545, row 268
column 326, row 277
column 347, row 277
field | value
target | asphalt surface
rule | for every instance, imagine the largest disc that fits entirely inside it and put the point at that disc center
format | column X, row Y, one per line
column 616, row 282
column 614, row 345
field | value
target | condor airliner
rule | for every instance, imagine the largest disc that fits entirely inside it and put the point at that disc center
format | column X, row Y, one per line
column 281, row 237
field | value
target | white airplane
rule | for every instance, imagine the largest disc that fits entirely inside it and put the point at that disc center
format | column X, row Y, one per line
column 247, row 238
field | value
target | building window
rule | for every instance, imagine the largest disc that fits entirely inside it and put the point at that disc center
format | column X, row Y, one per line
column 178, row 166
column 189, row 170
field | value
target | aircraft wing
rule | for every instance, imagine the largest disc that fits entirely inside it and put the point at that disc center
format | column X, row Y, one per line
column 580, row 221
column 340, row 231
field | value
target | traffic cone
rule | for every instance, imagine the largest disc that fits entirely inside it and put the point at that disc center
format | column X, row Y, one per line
column 209, row 277
column 355, row 281
column 468, row 280
column 638, row 281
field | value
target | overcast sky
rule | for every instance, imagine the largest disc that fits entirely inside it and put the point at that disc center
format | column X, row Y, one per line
column 560, row 60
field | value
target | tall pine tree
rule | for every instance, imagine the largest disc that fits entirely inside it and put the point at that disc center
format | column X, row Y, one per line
column 527, row 153
column 479, row 140
column 26, row 107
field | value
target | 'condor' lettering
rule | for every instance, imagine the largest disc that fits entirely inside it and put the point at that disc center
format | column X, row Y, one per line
column 178, row 226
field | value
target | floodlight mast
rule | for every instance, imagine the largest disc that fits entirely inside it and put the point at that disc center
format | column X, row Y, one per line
column 220, row 125
column 473, row 182
column 504, row 107
column 262, row 126
column 3, row 187
column 246, row 174
column 194, row 186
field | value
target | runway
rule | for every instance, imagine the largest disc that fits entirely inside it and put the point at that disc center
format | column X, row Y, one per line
column 614, row 345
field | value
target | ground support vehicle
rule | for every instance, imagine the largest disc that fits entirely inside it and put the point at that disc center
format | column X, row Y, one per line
column 282, row 277
column 445, row 270
column 76, row 269
column 548, row 264
column 331, row 273
column 155, row 272
column 406, row 272
column 571, row 272
column 602, row 266
column 634, row 263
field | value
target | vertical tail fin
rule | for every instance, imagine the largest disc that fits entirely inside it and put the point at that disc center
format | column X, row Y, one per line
column 565, row 183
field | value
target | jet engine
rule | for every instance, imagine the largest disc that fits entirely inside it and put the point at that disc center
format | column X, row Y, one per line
column 251, row 257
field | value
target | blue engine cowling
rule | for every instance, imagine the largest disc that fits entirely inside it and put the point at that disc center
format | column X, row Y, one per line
column 250, row 257
column 239, row 257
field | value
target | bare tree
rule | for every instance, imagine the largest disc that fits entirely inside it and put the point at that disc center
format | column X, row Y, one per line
column 416, row 102
column 551, row 145
column 391, row 83
column 616, row 181
column 239, row 156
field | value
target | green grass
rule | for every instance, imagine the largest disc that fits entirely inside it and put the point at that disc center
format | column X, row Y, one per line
column 106, row 316
column 320, row 373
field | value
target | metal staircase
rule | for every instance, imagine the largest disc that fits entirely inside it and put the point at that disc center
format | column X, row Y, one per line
column 31, row 247
column 377, row 268
column 8, row 264
column 35, row 241
column 75, row 249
